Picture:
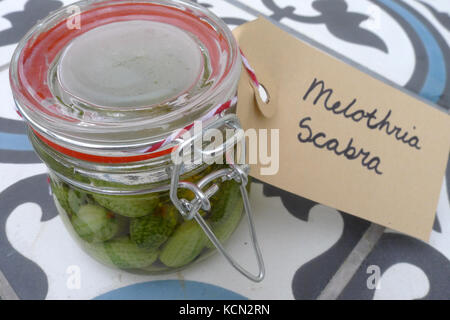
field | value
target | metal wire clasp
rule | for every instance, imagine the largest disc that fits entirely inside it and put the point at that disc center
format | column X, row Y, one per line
column 238, row 172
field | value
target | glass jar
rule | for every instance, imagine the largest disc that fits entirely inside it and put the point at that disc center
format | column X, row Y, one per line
column 109, row 90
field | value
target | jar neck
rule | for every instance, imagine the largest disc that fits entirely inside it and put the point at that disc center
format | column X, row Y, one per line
column 140, row 177
column 153, row 151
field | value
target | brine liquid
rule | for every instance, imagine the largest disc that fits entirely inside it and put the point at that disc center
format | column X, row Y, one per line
column 130, row 64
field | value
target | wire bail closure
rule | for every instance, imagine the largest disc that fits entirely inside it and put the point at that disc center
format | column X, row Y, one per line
column 238, row 172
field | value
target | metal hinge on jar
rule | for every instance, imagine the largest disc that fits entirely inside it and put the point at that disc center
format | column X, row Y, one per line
column 237, row 172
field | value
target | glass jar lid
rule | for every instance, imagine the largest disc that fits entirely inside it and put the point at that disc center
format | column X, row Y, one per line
column 126, row 77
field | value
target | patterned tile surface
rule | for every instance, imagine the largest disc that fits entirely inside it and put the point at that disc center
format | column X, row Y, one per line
column 311, row 251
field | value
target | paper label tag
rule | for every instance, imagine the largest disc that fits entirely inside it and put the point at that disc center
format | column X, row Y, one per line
column 346, row 139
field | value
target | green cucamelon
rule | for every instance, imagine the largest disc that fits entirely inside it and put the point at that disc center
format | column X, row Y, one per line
column 227, row 197
column 94, row 223
column 185, row 244
column 128, row 206
column 125, row 254
column 224, row 230
column 61, row 191
column 226, row 212
column 76, row 199
column 146, row 233
column 152, row 230
column 98, row 251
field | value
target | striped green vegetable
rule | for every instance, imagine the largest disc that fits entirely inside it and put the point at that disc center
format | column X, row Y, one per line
column 125, row 254
column 153, row 230
column 186, row 243
column 94, row 223
column 128, row 206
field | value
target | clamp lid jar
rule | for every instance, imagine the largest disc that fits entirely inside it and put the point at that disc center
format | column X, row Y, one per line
column 107, row 94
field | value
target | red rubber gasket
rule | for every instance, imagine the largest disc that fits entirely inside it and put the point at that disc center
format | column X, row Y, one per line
column 102, row 159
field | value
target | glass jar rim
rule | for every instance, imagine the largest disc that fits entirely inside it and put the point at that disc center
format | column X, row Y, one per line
column 47, row 115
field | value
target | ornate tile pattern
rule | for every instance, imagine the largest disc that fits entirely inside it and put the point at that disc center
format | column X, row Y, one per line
column 309, row 249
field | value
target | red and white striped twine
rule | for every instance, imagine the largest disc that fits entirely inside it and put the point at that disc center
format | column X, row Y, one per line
column 249, row 69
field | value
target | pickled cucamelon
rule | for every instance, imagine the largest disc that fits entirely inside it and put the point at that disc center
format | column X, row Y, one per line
column 146, row 233
column 128, row 206
column 125, row 254
column 153, row 230
column 229, row 222
column 226, row 212
column 76, row 199
column 184, row 246
column 94, row 223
